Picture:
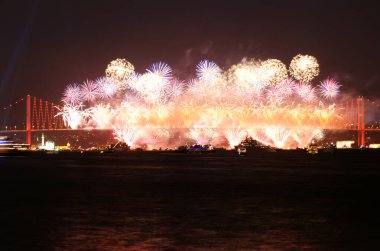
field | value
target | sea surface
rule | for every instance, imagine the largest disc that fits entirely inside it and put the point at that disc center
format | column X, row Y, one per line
column 178, row 201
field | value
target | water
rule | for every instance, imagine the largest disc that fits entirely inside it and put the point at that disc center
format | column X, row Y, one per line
column 169, row 201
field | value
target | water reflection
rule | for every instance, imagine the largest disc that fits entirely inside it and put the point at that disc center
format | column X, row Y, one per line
column 187, row 203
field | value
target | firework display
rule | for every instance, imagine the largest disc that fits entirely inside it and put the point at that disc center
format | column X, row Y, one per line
column 255, row 98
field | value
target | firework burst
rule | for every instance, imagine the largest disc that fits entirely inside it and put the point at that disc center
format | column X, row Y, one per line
column 73, row 115
column 278, row 135
column 203, row 136
column 235, row 135
column 208, row 71
column 329, row 88
column 119, row 70
column 127, row 134
column 107, row 87
column 162, row 70
column 273, row 71
column 102, row 115
column 89, row 91
column 175, row 88
column 306, row 92
column 304, row 68
column 72, row 94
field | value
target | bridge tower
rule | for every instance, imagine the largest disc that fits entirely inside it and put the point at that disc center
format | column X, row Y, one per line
column 360, row 121
column 28, row 121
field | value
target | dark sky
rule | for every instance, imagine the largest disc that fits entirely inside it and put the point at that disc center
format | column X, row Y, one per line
column 47, row 44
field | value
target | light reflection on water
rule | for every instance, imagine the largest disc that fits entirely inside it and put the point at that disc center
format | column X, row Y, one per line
column 207, row 225
column 187, row 203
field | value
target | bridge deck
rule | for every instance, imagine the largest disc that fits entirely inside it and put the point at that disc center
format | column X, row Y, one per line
column 96, row 129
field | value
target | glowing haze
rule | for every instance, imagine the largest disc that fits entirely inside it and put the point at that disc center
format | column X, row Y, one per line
column 258, row 98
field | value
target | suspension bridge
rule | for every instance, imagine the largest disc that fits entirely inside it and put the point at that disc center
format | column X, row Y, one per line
column 42, row 115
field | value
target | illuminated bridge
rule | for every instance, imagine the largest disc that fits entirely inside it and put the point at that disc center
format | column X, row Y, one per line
column 41, row 115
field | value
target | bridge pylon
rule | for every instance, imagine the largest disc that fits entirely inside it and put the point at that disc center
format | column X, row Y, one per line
column 360, row 121
column 28, row 121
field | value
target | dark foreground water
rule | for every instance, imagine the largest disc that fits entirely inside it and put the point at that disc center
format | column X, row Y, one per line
column 171, row 201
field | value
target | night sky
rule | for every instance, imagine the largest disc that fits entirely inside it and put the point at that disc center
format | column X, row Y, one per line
column 45, row 45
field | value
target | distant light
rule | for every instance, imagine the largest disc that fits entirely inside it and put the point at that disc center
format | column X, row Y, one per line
column 49, row 145
column 344, row 144
column 374, row 146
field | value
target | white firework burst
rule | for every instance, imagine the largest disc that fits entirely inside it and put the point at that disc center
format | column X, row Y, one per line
column 89, row 91
column 161, row 69
column 329, row 88
column 107, row 87
column 208, row 71
column 306, row 92
column 175, row 88
column 72, row 94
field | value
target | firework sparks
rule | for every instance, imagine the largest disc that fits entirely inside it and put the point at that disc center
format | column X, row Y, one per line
column 152, row 87
column 273, row 71
column 235, row 135
column 107, row 87
column 203, row 136
column 304, row 68
column 329, row 88
column 72, row 94
column 286, row 87
column 278, row 135
column 304, row 136
column 102, row 115
column 253, row 97
column 89, row 91
column 175, row 88
column 208, row 71
column 305, row 92
column 119, row 70
column 132, row 81
column 162, row 70
column 72, row 115
column 153, row 137
column 127, row 134
column 248, row 76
